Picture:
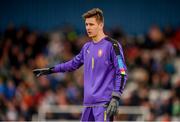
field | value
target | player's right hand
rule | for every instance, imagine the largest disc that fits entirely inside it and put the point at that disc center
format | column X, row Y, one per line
column 43, row 71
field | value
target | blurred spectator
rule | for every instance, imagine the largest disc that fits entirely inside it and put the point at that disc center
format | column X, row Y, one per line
column 175, row 41
column 10, row 90
column 155, row 38
column 11, row 112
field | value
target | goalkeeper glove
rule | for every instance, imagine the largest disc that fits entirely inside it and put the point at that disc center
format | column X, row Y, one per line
column 43, row 71
column 112, row 108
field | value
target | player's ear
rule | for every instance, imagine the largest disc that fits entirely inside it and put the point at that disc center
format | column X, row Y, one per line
column 101, row 24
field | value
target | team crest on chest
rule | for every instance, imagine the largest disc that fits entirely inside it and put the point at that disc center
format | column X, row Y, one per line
column 100, row 52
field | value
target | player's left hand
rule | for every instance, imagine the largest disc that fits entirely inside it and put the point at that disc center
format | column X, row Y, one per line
column 113, row 107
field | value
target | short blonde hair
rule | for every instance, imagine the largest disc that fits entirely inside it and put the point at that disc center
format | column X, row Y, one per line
column 95, row 12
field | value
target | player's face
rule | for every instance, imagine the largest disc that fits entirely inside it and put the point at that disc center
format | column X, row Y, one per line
column 93, row 27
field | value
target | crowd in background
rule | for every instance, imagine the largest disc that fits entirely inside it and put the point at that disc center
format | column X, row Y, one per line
column 152, row 59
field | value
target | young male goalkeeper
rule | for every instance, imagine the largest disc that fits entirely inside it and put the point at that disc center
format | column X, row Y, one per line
column 105, row 72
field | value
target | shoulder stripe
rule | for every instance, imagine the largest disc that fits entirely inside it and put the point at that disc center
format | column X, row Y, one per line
column 114, row 44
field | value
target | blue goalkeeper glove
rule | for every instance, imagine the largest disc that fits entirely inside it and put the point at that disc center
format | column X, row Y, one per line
column 112, row 108
column 43, row 71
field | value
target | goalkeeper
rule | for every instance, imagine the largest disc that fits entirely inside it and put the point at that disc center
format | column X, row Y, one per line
column 105, row 71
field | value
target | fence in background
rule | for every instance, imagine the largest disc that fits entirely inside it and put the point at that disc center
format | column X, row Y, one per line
column 139, row 113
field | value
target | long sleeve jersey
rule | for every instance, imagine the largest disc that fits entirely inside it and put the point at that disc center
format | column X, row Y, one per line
column 102, row 73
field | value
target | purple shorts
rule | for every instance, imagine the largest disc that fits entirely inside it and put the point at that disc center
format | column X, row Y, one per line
column 96, row 113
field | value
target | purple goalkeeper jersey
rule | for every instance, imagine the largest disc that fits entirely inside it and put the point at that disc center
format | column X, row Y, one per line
column 101, row 71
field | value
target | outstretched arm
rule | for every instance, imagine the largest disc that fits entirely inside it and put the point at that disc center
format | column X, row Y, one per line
column 71, row 65
column 68, row 66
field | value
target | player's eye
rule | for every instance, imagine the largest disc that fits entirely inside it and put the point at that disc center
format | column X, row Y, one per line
column 91, row 24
